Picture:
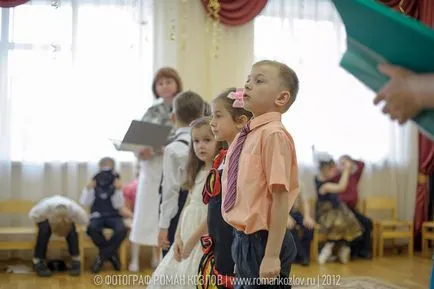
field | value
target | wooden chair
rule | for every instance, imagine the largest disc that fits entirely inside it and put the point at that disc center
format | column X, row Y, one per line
column 427, row 235
column 387, row 229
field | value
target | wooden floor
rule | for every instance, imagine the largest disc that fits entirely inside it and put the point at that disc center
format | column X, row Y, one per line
column 398, row 270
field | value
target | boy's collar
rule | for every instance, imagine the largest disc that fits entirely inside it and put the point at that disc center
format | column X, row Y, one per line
column 264, row 119
column 183, row 129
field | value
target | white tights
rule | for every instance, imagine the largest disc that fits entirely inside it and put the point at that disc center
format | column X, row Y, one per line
column 135, row 257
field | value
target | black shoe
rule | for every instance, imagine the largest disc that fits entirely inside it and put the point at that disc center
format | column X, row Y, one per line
column 42, row 269
column 365, row 255
column 75, row 268
column 305, row 261
column 115, row 262
column 97, row 266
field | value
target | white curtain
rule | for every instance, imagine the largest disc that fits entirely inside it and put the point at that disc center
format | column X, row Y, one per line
column 334, row 111
column 74, row 73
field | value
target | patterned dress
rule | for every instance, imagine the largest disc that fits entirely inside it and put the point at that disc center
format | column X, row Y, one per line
column 336, row 221
column 145, row 229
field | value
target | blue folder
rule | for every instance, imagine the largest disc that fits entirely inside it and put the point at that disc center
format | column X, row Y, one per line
column 378, row 34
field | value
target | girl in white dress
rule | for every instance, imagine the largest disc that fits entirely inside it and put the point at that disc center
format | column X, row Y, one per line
column 144, row 230
column 179, row 267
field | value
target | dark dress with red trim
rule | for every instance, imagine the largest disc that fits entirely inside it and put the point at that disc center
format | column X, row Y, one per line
column 220, row 234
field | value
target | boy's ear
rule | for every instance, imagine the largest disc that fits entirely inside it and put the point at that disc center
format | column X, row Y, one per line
column 241, row 122
column 283, row 99
column 173, row 117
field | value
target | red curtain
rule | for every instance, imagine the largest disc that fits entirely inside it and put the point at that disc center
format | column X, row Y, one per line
column 408, row 7
column 426, row 146
column 426, row 168
column 236, row 12
column 424, row 11
column 11, row 3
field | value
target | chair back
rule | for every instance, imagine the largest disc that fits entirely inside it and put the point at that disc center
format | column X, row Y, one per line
column 381, row 204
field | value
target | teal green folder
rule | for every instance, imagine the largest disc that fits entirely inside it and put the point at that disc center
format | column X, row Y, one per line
column 378, row 34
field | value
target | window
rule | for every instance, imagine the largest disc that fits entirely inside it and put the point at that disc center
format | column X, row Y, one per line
column 333, row 110
column 76, row 75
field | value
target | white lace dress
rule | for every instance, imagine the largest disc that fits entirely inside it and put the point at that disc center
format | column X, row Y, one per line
column 171, row 273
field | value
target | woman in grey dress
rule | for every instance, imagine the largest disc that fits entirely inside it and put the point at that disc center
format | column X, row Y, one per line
column 165, row 86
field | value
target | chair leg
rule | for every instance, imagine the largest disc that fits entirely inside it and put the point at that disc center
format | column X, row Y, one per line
column 374, row 241
column 394, row 250
column 123, row 255
column 424, row 243
column 410, row 243
column 380, row 242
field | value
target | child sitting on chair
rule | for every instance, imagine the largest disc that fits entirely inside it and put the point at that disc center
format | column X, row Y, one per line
column 300, row 217
column 57, row 215
column 104, row 196
column 336, row 221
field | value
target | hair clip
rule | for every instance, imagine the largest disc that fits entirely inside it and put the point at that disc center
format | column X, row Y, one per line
column 238, row 97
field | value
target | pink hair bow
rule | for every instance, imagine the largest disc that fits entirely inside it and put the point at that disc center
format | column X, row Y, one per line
column 238, row 97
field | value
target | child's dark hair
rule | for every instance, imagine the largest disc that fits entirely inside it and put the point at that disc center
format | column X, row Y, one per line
column 194, row 163
column 188, row 106
column 166, row 72
column 107, row 159
column 207, row 109
column 325, row 164
column 235, row 112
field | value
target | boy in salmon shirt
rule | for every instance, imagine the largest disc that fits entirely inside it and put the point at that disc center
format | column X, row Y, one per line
column 260, row 179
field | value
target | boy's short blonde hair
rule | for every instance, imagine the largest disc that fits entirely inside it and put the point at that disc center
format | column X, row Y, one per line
column 288, row 77
column 59, row 221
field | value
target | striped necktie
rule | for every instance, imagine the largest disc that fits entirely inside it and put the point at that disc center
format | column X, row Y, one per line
column 233, row 169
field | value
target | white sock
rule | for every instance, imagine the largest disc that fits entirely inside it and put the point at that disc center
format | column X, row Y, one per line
column 75, row 258
column 36, row 260
column 325, row 253
column 329, row 246
column 135, row 252
column 156, row 254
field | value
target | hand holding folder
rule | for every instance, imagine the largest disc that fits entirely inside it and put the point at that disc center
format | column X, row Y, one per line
column 141, row 135
column 406, row 94
column 377, row 34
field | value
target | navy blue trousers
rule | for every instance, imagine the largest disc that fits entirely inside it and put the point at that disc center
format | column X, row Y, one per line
column 303, row 243
column 107, row 248
column 248, row 252
column 183, row 194
column 44, row 234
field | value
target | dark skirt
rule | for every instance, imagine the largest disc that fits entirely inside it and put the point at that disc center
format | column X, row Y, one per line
column 338, row 223
column 206, row 265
